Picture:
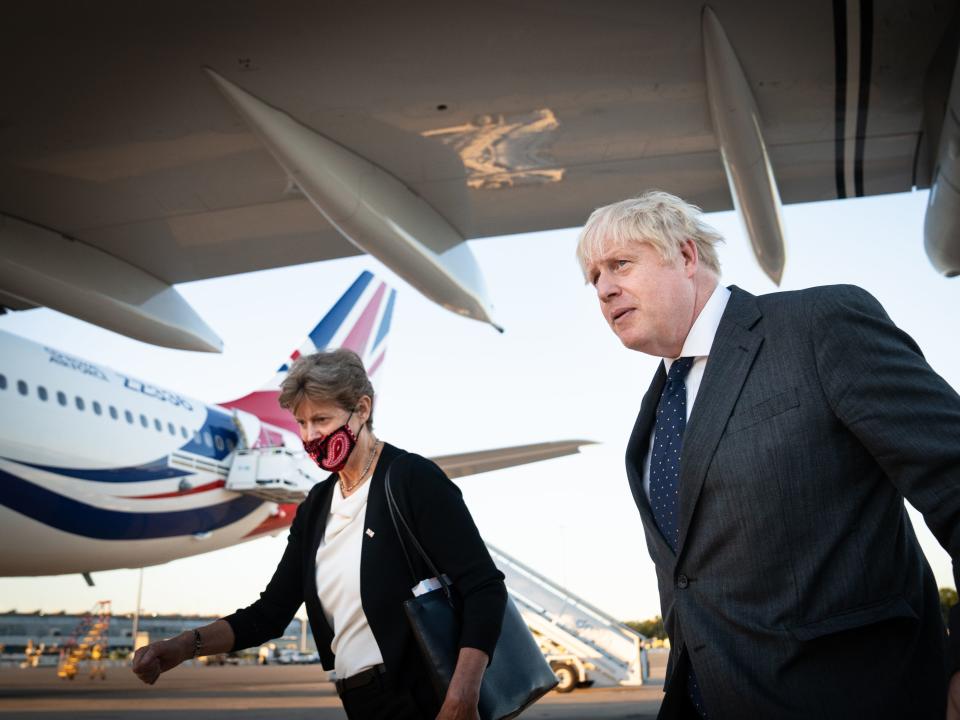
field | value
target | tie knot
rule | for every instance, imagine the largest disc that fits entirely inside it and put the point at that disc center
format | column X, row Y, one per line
column 679, row 369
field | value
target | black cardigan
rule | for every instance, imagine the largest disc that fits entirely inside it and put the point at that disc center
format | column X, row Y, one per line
column 433, row 506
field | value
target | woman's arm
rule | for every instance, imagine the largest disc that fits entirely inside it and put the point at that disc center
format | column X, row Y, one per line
column 163, row 655
column 263, row 620
column 269, row 616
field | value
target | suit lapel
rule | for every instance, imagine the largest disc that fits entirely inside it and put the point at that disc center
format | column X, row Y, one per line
column 734, row 348
column 637, row 449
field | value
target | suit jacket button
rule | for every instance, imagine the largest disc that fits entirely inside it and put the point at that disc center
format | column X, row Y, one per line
column 682, row 581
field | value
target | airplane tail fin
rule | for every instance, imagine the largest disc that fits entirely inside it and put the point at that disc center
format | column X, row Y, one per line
column 360, row 321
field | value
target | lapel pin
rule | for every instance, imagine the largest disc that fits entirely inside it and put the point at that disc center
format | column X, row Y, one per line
column 370, row 532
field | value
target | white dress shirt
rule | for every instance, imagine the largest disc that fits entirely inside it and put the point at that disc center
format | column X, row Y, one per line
column 697, row 345
column 338, row 584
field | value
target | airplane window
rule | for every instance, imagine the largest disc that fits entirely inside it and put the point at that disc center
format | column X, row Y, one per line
column 143, row 420
column 113, row 412
column 22, row 387
column 79, row 401
column 183, row 431
column 158, row 425
column 61, row 398
column 196, row 437
column 218, row 441
column 42, row 392
column 207, row 439
column 230, row 445
column 129, row 416
column 171, row 428
column 3, row 382
column 97, row 409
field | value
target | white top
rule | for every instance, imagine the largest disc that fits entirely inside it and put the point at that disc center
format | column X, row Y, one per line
column 338, row 583
column 697, row 345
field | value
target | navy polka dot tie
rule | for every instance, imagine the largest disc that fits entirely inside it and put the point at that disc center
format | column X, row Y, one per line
column 665, row 474
column 665, row 458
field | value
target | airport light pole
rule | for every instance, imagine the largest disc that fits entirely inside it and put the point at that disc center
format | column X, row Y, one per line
column 136, row 614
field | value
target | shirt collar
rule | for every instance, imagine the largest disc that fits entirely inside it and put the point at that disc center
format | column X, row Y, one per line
column 700, row 338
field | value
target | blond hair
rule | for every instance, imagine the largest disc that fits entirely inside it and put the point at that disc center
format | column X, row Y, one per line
column 655, row 217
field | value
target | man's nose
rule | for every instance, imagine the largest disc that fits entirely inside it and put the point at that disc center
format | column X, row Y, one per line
column 606, row 287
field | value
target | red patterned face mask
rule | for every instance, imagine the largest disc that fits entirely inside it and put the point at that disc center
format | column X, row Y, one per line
column 332, row 451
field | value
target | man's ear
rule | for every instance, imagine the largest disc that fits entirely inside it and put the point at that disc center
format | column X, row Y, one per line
column 691, row 257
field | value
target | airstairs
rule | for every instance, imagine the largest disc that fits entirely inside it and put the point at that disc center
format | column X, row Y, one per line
column 613, row 652
column 89, row 641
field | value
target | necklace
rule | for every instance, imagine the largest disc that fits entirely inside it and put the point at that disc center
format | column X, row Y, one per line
column 344, row 489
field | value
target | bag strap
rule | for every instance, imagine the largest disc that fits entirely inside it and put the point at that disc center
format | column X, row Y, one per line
column 396, row 515
column 391, row 502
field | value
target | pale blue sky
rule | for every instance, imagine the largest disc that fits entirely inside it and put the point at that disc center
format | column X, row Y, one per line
column 451, row 385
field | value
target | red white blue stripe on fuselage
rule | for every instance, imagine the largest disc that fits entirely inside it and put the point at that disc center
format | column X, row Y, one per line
column 73, row 499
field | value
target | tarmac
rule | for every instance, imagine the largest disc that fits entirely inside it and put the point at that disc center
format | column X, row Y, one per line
column 250, row 692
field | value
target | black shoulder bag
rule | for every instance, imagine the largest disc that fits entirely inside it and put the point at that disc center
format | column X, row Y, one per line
column 518, row 675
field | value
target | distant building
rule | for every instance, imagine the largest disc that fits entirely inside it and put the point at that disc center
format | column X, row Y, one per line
column 56, row 629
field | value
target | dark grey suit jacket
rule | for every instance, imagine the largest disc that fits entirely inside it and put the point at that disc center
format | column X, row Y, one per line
column 799, row 589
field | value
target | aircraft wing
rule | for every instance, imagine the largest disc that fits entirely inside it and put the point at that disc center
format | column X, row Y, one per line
column 415, row 126
column 481, row 461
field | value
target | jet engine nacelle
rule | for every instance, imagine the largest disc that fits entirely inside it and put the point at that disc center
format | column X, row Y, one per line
column 941, row 227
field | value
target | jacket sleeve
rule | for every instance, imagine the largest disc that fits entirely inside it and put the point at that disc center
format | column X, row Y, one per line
column 450, row 538
column 907, row 417
column 269, row 616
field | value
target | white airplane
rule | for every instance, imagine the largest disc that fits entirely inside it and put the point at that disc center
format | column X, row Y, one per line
column 402, row 129
column 101, row 470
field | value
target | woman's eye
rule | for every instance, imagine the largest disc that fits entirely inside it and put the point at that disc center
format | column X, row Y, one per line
column 621, row 263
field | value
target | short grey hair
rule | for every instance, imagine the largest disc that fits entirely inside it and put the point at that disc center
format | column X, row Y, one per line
column 655, row 217
column 336, row 376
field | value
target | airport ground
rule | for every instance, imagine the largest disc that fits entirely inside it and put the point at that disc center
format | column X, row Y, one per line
column 250, row 692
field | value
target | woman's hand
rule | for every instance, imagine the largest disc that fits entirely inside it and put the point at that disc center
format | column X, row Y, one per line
column 459, row 708
column 160, row 656
column 463, row 695
column 953, row 698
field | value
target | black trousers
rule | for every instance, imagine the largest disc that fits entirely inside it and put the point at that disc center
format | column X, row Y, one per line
column 377, row 700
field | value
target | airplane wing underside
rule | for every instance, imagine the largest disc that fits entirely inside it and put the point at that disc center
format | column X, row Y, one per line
column 502, row 117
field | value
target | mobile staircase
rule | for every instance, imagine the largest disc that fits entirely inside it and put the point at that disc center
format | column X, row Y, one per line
column 583, row 644
column 89, row 640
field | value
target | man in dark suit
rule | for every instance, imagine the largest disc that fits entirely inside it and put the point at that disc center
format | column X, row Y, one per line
column 770, row 461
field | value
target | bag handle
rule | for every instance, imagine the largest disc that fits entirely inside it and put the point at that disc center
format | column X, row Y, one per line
column 395, row 514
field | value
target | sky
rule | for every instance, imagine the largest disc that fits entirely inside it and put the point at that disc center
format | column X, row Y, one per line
column 451, row 385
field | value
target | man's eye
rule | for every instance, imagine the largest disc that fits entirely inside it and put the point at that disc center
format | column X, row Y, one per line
column 621, row 263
